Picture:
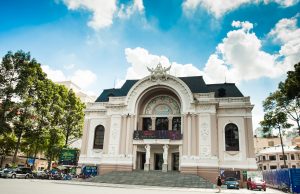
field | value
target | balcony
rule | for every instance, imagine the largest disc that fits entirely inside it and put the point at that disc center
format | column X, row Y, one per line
column 172, row 135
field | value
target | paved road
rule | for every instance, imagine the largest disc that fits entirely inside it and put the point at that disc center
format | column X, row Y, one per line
column 21, row 186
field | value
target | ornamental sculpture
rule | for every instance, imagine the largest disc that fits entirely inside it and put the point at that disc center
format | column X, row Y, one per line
column 159, row 73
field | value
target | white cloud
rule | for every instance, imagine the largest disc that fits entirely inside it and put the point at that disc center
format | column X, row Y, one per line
column 103, row 11
column 54, row 75
column 287, row 34
column 82, row 78
column 239, row 57
column 220, row 7
column 127, row 11
column 247, row 26
column 285, row 3
column 140, row 59
column 216, row 7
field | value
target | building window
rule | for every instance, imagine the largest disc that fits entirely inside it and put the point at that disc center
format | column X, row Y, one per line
column 176, row 124
column 273, row 167
column 264, row 158
column 161, row 124
column 271, row 143
column 292, row 157
column 293, row 166
column 147, row 124
column 273, row 157
column 231, row 137
column 265, row 168
column 99, row 137
column 281, row 157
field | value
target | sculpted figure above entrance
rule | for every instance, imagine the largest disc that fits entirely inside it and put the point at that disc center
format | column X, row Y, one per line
column 159, row 73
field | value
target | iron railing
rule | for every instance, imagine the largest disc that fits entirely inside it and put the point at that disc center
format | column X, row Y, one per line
column 163, row 134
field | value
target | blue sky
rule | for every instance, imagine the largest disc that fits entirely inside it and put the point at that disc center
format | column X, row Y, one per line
column 98, row 44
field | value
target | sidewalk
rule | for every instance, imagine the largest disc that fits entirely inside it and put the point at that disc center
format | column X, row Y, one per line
column 224, row 190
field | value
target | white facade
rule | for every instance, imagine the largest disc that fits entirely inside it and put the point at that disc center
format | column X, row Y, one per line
column 159, row 102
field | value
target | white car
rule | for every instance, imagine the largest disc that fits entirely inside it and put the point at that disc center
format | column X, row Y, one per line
column 7, row 173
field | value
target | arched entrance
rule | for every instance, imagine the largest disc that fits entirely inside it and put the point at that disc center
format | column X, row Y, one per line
column 158, row 135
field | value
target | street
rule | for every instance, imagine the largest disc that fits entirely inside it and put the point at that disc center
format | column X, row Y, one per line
column 31, row 186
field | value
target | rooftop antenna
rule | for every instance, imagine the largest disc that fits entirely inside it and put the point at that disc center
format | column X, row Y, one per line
column 225, row 78
column 115, row 83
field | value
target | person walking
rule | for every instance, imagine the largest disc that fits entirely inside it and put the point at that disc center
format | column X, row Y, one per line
column 219, row 183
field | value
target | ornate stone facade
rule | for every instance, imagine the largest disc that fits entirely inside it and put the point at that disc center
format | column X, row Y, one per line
column 159, row 107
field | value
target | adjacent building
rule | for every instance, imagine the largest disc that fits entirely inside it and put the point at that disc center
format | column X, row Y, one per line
column 84, row 97
column 261, row 143
column 272, row 157
column 168, row 123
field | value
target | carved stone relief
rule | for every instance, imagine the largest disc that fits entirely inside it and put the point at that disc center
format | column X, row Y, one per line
column 236, row 156
column 205, row 152
column 162, row 105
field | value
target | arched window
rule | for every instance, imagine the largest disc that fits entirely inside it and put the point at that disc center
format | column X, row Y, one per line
column 99, row 137
column 232, row 137
column 147, row 124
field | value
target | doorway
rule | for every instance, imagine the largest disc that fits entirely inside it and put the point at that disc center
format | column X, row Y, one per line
column 175, row 161
column 158, row 161
column 143, row 160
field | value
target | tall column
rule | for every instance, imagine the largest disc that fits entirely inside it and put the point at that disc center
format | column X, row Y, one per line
column 189, row 125
column 165, row 156
column 147, row 162
column 153, row 123
column 170, row 123
column 128, row 130
column 134, row 153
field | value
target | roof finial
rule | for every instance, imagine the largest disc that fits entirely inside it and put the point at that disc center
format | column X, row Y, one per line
column 158, row 73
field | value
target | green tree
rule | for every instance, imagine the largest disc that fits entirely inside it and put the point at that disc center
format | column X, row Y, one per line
column 73, row 119
column 29, row 74
column 55, row 137
column 7, row 144
column 286, row 98
column 274, row 118
column 42, row 116
column 292, row 83
column 9, row 77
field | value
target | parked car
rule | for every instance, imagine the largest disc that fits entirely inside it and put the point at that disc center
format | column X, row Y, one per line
column 256, row 183
column 7, row 173
column 41, row 174
column 232, row 183
column 22, row 172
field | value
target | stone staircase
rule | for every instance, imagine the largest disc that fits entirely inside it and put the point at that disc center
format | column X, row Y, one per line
column 154, row 178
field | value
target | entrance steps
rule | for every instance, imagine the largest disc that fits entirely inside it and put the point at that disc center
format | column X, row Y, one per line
column 154, row 178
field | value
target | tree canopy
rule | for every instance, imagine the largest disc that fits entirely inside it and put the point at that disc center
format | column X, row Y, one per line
column 283, row 104
column 36, row 114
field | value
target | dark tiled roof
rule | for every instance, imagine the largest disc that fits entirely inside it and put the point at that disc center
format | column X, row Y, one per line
column 116, row 92
column 195, row 83
column 229, row 90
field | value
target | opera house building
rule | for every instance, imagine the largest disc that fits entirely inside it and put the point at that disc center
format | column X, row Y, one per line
column 168, row 123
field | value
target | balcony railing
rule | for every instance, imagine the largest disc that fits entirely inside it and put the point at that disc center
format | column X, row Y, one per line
column 164, row 134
